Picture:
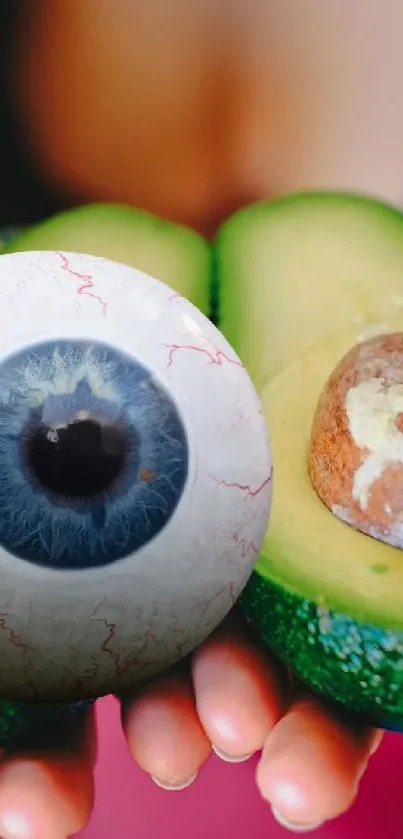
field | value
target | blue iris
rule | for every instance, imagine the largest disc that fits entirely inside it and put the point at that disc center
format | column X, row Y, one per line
column 93, row 455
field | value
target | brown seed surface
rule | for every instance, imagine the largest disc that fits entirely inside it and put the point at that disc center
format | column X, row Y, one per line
column 356, row 453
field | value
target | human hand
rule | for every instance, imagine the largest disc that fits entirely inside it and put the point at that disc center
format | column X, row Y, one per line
column 232, row 698
column 232, row 692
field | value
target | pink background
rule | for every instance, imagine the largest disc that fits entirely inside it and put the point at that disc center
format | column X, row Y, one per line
column 129, row 805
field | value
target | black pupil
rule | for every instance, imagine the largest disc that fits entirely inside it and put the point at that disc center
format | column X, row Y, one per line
column 82, row 459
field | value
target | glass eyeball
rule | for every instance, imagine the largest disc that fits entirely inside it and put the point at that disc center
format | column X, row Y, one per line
column 135, row 477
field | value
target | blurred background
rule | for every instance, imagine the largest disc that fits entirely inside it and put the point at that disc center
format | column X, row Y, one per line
column 191, row 108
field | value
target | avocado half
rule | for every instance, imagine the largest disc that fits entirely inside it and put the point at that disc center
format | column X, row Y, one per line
column 301, row 281
column 170, row 252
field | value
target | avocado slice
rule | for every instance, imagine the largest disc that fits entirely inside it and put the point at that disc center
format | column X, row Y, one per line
column 169, row 252
column 324, row 272
column 294, row 270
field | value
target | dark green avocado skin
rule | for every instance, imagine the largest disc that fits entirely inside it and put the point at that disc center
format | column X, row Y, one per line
column 354, row 665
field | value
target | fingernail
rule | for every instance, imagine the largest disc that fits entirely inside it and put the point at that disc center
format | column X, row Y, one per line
column 174, row 787
column 231, row 758
column 293, row 826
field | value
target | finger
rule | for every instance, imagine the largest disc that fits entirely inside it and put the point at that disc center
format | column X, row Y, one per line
column 163, row 732
column 312, row 764
column 239, row 689
column 46, row 785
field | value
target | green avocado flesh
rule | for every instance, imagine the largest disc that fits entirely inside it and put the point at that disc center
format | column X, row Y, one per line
column 327, row 599
column 293, row 271
column 306, row 547
column 301, row 281
column 173, row 254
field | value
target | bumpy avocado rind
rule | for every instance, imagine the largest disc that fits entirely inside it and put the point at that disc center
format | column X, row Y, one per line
column 356, row 665
column 301, row 281
column 172, row 253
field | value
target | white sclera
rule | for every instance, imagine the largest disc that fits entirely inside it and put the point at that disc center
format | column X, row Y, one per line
column 66, row 635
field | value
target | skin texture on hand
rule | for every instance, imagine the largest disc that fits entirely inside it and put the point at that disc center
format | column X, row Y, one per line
column 190, row 110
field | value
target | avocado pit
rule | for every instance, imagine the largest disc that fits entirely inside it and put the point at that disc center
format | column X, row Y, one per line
column 356, row 452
